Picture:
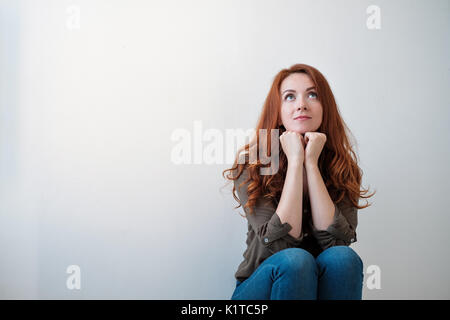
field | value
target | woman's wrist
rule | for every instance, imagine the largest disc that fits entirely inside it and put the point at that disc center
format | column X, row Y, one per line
column 295, row 161
column 310, row 165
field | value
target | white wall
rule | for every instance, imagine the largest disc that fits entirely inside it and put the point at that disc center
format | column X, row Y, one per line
column 86, row 116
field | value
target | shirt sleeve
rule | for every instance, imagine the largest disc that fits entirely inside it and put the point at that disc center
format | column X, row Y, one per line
column 342, row 231
column 265, row 221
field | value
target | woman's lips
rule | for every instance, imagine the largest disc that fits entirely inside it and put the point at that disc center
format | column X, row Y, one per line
column 302, row 118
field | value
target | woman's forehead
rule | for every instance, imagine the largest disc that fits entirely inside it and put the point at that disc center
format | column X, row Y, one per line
column 297, row 82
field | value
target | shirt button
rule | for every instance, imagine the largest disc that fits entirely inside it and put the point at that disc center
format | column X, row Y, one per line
column 306, row 234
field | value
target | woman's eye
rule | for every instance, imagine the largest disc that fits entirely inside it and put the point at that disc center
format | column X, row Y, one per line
column 314, row 95
column 288, row 96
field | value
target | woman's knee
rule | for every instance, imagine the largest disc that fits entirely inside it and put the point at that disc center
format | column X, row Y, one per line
column 296, row 260
column 341, row 256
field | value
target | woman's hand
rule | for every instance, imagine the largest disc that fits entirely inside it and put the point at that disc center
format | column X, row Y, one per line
column 314, row 145
column 293, row 146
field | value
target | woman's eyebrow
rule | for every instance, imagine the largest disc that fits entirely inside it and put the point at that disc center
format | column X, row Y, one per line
column 310, row 88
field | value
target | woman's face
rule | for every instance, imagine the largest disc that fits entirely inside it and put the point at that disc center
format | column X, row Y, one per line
column 299, row 97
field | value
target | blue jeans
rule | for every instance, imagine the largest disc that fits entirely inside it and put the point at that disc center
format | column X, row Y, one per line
column 294, row 274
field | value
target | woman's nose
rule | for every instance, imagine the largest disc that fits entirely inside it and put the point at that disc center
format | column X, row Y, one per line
column 301, row 106
column 301, row 102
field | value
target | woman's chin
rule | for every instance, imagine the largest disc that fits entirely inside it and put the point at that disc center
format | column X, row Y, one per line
column 301, row 131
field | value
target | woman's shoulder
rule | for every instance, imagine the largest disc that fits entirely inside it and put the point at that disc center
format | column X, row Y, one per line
column 242, row 161
column 243, row 158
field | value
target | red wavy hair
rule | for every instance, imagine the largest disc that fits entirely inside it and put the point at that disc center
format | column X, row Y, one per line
column 337, row 163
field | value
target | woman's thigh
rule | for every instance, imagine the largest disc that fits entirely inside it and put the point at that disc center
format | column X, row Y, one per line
column 282, row 266
column 340, row 273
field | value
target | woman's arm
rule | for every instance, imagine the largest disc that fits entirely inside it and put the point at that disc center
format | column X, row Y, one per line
column 290, row 207
column 271, row 232
column 322, row 207
column 332, row 224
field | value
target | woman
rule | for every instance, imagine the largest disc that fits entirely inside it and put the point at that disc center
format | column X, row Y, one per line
column 302, row 218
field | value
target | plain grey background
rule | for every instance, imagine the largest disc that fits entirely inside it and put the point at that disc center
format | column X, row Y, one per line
column 88, row 106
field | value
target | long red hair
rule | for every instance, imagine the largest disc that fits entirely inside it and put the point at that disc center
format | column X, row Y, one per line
column 338, row 162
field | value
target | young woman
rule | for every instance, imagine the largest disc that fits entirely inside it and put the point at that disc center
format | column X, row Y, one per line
column 302, row 218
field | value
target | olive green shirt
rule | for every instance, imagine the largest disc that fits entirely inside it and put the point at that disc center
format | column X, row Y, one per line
column 267, row 235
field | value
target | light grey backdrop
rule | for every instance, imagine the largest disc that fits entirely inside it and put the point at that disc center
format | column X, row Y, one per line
column 91, row 92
